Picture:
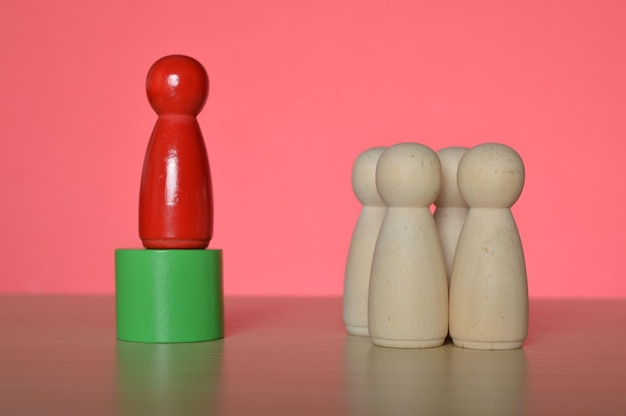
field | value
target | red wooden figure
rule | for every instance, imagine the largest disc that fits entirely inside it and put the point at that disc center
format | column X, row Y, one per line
column 176, row 202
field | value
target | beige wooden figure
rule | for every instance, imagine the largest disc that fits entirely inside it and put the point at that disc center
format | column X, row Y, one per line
column 451, row 208
column 359, row 263
column 488, row 290
column 408, row 297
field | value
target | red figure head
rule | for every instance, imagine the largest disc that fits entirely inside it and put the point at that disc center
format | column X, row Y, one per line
column 177, row 84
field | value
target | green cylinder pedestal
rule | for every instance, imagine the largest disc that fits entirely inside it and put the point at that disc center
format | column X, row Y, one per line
column 166, row 296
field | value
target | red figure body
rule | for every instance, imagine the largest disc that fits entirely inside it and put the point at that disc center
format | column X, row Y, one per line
column 175, row 201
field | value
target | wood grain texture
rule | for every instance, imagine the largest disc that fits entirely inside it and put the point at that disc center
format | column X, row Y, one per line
column 59, row 355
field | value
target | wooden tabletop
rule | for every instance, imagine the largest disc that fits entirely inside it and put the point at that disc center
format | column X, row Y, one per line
column 59, row 356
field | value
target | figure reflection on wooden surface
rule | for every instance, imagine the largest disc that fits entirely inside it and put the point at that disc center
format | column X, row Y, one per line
column 433, row 381
column 292, row 356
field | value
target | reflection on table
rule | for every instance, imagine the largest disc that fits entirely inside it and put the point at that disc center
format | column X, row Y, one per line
column 59, row 355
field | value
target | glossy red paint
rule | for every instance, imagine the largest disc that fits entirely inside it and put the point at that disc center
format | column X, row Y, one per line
column 176, row 202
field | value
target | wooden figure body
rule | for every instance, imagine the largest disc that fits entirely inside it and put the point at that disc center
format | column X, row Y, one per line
column 359, row 262
column 408, row 294
column 488, row 290
column 451, row 208
column 176, row 202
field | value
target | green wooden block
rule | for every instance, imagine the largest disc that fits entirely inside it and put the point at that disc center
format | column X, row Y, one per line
column 166, row 296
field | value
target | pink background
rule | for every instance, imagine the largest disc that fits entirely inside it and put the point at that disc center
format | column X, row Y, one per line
column 298, row 89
